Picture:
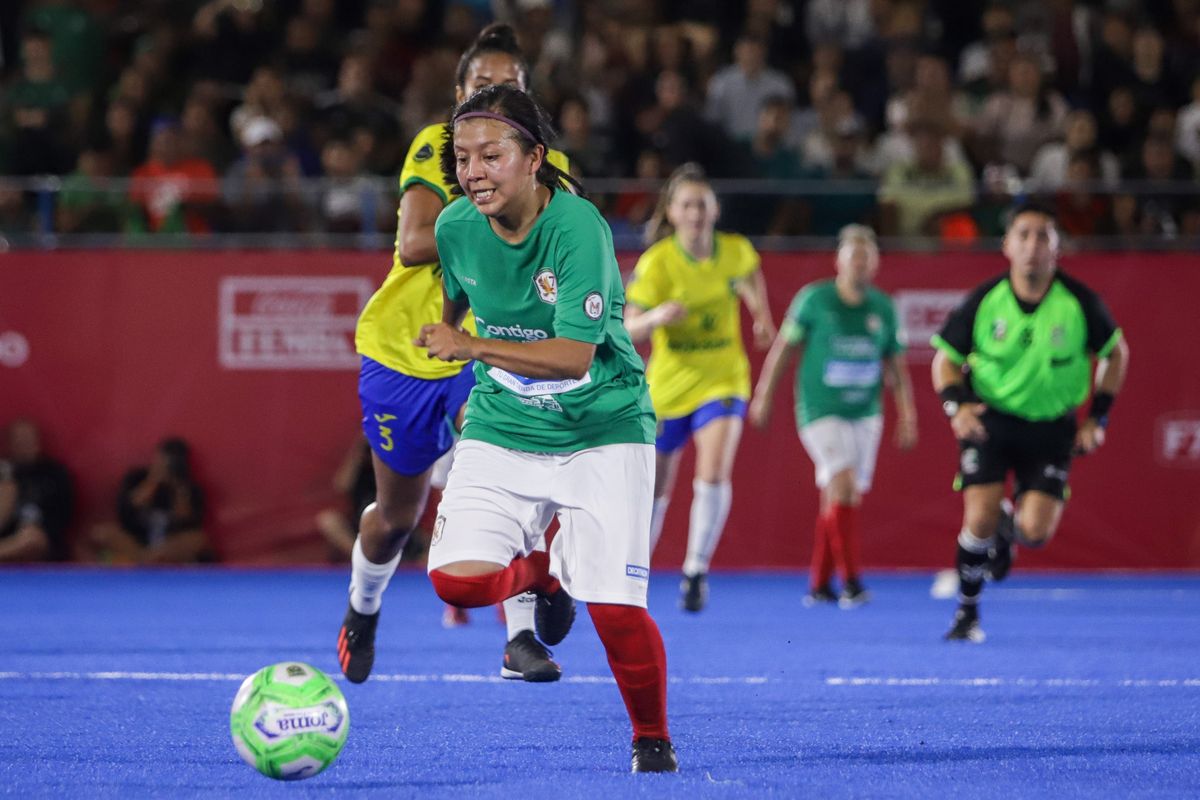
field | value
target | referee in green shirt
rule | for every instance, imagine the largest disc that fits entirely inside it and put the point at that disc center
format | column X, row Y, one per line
column 1013, row 363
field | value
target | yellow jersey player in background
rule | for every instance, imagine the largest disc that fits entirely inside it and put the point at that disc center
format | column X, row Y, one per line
column 412, row 404
column 684, row 296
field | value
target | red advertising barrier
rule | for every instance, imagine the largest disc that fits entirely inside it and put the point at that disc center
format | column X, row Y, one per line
column 249, row 356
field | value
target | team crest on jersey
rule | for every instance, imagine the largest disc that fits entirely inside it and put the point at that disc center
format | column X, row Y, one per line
column 999, row 330
column 874, row 323
column 593, row 305
column 424, row 154
column 1058, row 336
column 546, row 284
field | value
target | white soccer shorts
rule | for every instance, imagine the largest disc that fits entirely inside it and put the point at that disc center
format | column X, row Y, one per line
column 835, row 444
column 498, row 503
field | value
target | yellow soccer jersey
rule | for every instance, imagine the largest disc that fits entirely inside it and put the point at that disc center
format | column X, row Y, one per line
column 412, row 296
column 701, row 357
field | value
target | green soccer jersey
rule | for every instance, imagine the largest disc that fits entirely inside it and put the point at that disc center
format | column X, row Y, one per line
column 841, row 372
column 1029, row 360
column 561, row 281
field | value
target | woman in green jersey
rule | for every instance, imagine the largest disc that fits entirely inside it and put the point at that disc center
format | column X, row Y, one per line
column 559, row 423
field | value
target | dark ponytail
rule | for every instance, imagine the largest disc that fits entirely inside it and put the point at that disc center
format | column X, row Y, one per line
column 530, row 125
column 495, row 38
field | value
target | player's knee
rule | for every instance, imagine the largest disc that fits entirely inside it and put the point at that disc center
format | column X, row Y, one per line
column 397, row 518
column 1034, row 536
column 982, row 526
column 464, row 591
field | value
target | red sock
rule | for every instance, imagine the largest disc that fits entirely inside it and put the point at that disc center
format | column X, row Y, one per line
column 638, row 662
column 524, row 573
column 822, row 557
column 845, row 521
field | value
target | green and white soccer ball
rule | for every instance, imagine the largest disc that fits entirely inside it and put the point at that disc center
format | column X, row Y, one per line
column 289, row 721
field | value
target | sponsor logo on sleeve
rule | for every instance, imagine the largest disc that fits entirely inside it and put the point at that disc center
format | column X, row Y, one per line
column 593, row 305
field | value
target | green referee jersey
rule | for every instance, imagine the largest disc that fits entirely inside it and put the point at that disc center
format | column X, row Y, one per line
column 561, row 281
column 1029, row 360
column 841, row 372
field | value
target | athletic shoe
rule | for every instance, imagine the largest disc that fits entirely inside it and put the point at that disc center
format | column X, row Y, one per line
column 1002, row 554
column 822, row 595
column 945, row 585
column 693, row 592
column 356, row 645
column 454, row 617
column 526, row 659
column 853, row 595
column 966, row 626
column 654, row 755
column 553, row 616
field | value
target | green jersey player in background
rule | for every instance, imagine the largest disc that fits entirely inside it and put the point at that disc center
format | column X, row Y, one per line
column 844, row 332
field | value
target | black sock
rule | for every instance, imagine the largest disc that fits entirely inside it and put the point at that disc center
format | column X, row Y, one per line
column 971, row 562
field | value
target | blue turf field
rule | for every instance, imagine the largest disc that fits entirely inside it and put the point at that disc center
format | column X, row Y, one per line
column 118, row 684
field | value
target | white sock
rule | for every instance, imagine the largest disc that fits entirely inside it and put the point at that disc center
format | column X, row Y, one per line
column 656, row 520
column 368, row 580
column 710, row 508
column 518, row 613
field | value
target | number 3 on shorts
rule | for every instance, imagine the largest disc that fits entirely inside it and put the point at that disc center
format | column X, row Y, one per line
column 385, row 433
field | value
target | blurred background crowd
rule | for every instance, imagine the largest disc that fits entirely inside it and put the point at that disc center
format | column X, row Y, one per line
column 922, row 117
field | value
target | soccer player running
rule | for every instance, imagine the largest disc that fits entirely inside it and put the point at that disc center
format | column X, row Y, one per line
column 684, row 296
column 559, row 422
column 410, row 402
column 1013, row 364
column 844, row 333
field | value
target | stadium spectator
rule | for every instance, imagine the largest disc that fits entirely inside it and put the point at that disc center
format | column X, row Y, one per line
column 768, row 156
column 36, row 499
column 835, row 110
column 232, row 37
column 916, row 193
column 678, row 131
column 588, row 149
column 1082, row 211
column 850, row 23
column 931, row 96
column 263, row 188
column 172, row 193
column 845, row 334
column 1121, row 128
column 308, row 63
column 35, row 111
column 201, row 136
column 265, row 96
column 1017, row 414
column 683, row 296
column 1159, row 206
column 354, row 104
column 583, row 449
column 1051, row 163
column 124, row 136
column 1188, row 127
column 1015, row 122
column 160, row 514
column 737, row 92
column 855, row 201
column 983, row 67
column 349, row 202
column 87, row 202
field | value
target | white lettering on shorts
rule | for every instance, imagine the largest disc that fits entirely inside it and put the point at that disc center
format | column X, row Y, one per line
column 639, row 573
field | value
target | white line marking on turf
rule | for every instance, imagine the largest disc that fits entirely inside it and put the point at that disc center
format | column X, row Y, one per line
column 753, row 680
column 1055, row 683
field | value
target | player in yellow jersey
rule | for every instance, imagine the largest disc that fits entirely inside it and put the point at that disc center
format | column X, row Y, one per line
column 411, row 403
column 684, row 296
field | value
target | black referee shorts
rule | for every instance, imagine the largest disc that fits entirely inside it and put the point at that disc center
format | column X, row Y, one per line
column 1037, row 453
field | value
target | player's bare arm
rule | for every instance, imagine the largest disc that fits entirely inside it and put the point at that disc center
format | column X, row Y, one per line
column 641, row 322
column 553, row 358
column 1110, row 376
column 781, row 355
column 753, row 291
column 906, row 410
column 419, row 209
column 964, row 416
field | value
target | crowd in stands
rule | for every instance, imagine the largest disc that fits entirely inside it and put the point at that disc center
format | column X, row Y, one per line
column 929, row 114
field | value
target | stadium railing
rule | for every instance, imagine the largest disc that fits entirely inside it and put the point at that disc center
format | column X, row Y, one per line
column 32, row 211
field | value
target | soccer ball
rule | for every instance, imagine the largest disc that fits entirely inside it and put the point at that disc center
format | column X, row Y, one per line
column 289, row 721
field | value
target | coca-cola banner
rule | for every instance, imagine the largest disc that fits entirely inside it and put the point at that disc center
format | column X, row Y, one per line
column 250, row 357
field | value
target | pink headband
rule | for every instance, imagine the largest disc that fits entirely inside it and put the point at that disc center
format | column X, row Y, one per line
column 498, row 118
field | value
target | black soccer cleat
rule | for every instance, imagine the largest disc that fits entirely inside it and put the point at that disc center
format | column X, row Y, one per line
column 822, row 595
column 527, row 659
column 356, row 645
column 654, row 755
column 553, row 616
column 693, row 592
column 853, row 595
column 1002, row 554
column 966, row 626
